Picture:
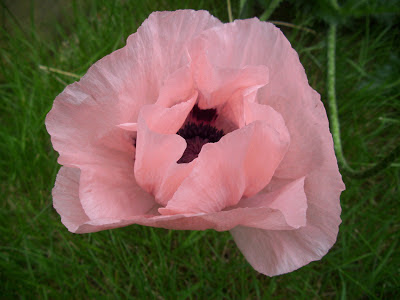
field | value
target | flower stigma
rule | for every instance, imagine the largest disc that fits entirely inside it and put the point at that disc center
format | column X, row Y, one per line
column 198, row 132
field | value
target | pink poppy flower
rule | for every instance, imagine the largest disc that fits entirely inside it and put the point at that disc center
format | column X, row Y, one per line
column 197, row 125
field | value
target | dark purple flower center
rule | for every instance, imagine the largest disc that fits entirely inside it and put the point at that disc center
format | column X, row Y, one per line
column 199, row 133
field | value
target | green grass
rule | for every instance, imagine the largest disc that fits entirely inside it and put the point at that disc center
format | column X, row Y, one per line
column 39, row 258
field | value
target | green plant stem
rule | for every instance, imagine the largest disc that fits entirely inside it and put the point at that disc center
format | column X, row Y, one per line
column 333, row 111
column 228, row 2
column 334, row 118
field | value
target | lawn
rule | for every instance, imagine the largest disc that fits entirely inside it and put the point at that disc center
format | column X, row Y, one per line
column 46, row 47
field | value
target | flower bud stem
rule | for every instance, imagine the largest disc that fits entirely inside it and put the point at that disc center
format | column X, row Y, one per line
column 334, row 118
column 229, row 7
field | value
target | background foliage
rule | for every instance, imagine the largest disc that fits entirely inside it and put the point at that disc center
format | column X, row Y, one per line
column 39, row 258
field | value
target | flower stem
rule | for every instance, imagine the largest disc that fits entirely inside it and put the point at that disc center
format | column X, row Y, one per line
column 228, row 2
column 334, row 118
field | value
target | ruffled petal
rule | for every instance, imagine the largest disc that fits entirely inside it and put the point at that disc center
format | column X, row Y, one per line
column 66, row 198
column 178, row 87
column 289, row 199
column 305, row 118
column 107, row 192
column 217, row 83
column 83, row 129
column 158, row 149
column 238, row 44
column 278, row 252
column 240, row 164
column 166, row 120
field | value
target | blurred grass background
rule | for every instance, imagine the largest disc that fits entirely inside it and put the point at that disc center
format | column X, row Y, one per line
column 39, row 258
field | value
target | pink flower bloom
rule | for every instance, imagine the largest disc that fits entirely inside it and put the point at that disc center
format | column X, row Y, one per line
column 194, row 125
